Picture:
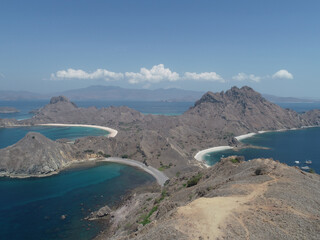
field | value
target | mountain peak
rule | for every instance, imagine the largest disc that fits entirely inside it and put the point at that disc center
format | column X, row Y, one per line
column 208, row 97
column 34, row 138
column 55, row 100
column 59, row 99
column 232, row 94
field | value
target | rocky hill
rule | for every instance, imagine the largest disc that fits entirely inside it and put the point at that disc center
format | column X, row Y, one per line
column 170, row 142
column 241, row 111
column 257, row 199
column 35, row 155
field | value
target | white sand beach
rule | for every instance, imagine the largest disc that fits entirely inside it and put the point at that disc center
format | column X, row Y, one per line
column 112, row 133
column 158, row 175
column 244, row 136
column 199, row 156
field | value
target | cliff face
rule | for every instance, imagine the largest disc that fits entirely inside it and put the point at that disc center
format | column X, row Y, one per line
column 35, row 155
column 257, row 199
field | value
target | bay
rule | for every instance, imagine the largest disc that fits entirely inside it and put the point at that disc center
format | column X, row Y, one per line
column 288, row 146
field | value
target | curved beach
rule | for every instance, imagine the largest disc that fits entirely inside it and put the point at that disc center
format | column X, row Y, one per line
column 244, row 136
column 112, row 132
column 199, row 156
column 159, row 176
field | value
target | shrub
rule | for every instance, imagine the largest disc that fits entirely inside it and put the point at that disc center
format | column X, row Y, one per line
column 89, row 151
column 194, row 180
column 146, row 219
column 125, row 156
column 312, row 170
column 163, row 195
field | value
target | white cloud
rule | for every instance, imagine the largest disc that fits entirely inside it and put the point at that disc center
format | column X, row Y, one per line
column 80, row 74
column 206, row 76
column 2, row 75
column 158, row 73
column 245, row 77
column 154, row 75
column 283, row 74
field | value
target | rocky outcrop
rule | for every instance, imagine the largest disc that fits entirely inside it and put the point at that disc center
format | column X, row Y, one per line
column 35, row 155
column 103, row 212
column 256, row 199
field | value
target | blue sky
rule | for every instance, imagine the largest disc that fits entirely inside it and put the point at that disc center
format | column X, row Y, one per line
column 272, row 46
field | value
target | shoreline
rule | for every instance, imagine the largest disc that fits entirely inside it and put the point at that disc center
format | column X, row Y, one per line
column 112, row 132
column 244, row 136
column 200, row 155
column 160, row 177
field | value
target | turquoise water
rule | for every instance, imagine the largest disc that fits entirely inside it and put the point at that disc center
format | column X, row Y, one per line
column 287, row 147
column 32, row 208
column 9, row 136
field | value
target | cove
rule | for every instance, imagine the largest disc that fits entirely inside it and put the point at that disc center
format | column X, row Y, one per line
column 32, row 208
column 287, row 147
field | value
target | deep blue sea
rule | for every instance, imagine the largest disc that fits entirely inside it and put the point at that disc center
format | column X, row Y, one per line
column 32, row 208
column 287, row 147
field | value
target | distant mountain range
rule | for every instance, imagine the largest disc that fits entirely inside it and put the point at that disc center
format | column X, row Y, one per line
column 113, row 93
column 110, row 93
column 276, row 99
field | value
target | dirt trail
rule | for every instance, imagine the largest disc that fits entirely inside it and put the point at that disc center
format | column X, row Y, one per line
column 204, row 218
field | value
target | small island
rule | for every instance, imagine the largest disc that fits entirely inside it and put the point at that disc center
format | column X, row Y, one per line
column 8, row 110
